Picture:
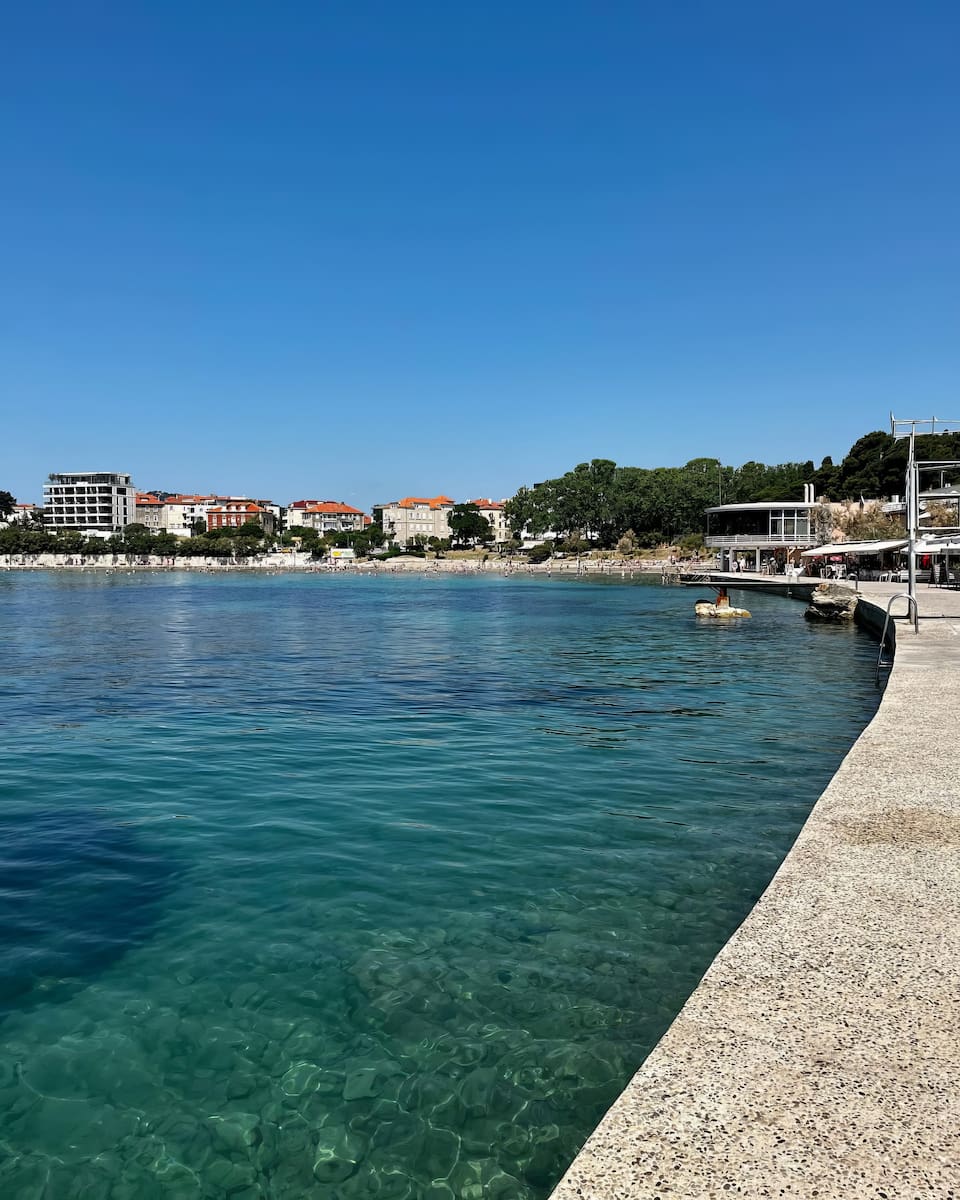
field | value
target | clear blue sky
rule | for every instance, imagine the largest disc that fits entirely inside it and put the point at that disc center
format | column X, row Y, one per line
column 359, row 250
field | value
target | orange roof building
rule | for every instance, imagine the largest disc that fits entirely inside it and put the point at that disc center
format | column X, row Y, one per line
column 234, row 513
column 416, row 518
column 326, row 516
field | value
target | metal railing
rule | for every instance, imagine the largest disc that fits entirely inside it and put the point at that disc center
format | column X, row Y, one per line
column 911, row 608
column 737, row 540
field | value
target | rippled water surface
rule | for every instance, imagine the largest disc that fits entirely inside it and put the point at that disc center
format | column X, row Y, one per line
column 349, row 887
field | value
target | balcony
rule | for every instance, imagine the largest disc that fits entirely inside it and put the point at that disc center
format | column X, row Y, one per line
column 752, row 540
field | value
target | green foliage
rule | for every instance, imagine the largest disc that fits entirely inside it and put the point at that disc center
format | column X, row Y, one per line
column 7, row 504
column 602, row 502
column 539, row 554
column 468, row 526
column 876, row 464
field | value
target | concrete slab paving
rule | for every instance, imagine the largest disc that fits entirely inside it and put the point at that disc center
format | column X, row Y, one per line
column 820, row 1054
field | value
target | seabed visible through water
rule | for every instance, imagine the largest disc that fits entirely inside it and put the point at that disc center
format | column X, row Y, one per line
column 355, row 887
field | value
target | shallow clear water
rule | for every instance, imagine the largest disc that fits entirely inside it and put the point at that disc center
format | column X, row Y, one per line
column 350, row 887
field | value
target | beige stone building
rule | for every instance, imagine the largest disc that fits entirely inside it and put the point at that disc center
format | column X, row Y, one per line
column 150, row 511
column 416, row 516
column 427, row 517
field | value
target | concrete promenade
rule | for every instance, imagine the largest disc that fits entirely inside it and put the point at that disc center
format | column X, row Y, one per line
column 820, row 1054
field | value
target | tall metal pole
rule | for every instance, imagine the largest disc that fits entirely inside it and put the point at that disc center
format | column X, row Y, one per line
column 913, row 500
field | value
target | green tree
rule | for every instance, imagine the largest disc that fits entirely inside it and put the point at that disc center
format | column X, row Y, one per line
column 518, row 511
column 467, row 526
column 8, row 504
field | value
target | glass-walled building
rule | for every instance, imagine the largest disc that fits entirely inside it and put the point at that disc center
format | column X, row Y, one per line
column 765, row 535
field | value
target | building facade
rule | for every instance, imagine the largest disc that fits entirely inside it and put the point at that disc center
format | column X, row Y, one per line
column 416, row 516
column 181, row 513
column 493, row 511
column 765, row 534
column 96, row 502
column 326, row 516
column 232, row 514
column 150, row 511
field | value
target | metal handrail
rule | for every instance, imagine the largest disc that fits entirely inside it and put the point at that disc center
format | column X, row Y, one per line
column 911, row 600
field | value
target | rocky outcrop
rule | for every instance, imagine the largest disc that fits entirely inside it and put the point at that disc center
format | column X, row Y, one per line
column 832, row 602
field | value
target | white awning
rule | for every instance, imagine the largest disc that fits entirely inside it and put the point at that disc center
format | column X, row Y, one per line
column 854, row 548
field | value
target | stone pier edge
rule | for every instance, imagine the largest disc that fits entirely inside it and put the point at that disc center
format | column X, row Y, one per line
column 819, row 1054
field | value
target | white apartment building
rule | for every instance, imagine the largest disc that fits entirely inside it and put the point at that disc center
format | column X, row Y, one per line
column 416, row 516
column 180, row 512
column 96, row 502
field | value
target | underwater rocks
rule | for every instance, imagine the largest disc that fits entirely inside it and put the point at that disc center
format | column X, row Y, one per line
column 79, row 890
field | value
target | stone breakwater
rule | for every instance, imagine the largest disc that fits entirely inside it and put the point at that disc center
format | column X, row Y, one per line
column 820, row 1052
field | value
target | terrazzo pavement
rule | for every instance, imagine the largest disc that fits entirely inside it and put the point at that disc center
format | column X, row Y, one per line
column 820, row 1054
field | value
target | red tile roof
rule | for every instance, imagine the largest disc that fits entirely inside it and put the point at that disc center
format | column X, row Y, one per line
column 431, row 502
column 145, row 498
column 329, row 506
column 487, row 503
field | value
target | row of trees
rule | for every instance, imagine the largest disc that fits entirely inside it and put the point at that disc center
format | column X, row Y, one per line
column 136, row 539
column 604, row 502
column 246, row 541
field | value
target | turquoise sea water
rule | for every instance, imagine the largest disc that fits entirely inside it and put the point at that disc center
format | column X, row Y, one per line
column 351, row 887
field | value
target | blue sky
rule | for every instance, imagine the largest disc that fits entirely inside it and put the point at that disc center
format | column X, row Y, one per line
column 360, row 250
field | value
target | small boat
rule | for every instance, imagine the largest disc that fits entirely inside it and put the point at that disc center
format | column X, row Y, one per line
column 719, row 608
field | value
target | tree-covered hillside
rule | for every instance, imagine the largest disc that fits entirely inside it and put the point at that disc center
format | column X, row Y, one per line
column 603, row 501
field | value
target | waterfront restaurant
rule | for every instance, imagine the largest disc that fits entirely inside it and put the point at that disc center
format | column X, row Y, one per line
column 766, row 535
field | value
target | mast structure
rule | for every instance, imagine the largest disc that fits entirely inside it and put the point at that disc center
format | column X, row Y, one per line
column 909, row 429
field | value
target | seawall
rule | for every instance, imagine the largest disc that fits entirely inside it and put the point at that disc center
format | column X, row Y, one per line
column 820, row 1053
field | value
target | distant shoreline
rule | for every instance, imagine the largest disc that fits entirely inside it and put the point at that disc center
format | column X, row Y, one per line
column 277, row 564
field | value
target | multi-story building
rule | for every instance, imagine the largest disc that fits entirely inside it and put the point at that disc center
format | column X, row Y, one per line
column 187, row 515
column 95, row 502
column 416, row 516
column 182, row 513
column 326, row 516
column 150, row 511
column 231, row 514
column 493, row 511
column 764, row 532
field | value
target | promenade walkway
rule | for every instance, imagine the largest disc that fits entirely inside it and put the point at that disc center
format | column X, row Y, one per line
column 820, row 1054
